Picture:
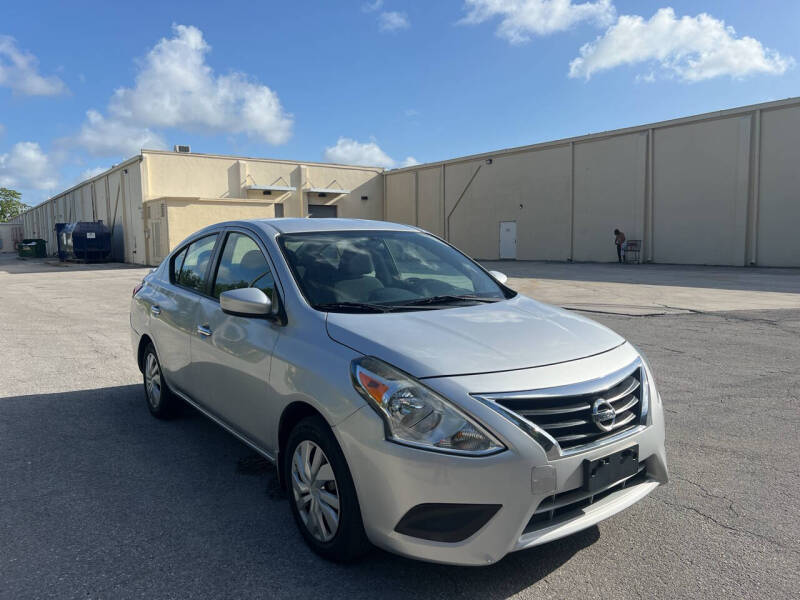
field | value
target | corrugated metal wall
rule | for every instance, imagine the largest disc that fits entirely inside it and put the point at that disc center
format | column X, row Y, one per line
column 721, row 189
column 115, row 197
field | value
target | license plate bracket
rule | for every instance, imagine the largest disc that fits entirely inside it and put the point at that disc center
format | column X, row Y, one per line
column 608, row 470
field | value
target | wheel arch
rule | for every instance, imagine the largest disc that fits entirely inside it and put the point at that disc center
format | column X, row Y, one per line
column 291, row 416
column 144, row 341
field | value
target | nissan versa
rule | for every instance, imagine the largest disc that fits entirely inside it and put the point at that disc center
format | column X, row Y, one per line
column 407, row 396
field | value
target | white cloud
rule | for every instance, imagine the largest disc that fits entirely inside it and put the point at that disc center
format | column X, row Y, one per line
column 19, row 70
column 369, row 7
column 27, row 167
column 348, row 151
column 691, row 48
column 409, row 161
column 103, row 136
column 523, row 19
column 93, row 172
column 393, row 21
column 175, row 88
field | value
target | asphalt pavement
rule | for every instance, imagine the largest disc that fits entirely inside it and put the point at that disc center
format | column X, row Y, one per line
column 100, row 500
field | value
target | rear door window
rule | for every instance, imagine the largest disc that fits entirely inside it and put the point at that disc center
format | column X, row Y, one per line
column 195, row 265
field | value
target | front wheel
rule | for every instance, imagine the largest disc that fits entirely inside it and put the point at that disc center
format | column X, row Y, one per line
column 323, row 498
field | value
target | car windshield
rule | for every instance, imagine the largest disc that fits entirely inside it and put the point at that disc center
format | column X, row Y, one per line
column 382, row 271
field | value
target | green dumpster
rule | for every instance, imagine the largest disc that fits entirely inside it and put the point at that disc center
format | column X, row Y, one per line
column 32, row 248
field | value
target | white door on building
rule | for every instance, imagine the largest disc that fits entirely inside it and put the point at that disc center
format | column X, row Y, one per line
column 508, row 239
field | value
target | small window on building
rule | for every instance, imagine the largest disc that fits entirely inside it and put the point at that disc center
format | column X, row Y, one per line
column 279, row 210
column 243, row 265
column 195, row 265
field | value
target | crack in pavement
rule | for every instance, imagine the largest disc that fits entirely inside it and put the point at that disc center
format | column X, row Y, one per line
column 727, row 527
column 709, row 494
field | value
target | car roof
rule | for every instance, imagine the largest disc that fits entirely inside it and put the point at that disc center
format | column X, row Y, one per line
column 296, row 225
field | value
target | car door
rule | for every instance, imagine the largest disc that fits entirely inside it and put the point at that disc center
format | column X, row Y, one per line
column 231, row 355
column 173, row 309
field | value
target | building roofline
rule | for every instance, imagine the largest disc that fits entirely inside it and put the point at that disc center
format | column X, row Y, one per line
column 108, row 171
column 144, row 151
column 729, row 112
column 266, row 160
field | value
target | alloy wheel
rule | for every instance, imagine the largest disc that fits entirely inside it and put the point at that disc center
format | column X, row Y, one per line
column 152, row 380
column 316, row 493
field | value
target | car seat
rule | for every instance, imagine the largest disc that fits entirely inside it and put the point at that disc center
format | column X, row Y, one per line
column 355, row 285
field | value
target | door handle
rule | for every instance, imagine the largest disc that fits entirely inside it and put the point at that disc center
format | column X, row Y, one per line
column 203, row 330
column 155, row 309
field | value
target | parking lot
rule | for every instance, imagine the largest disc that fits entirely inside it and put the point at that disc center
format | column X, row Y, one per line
column 100, row 500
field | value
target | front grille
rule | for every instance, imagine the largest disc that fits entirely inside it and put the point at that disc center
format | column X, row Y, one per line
column 569, row 505
column 567, row 413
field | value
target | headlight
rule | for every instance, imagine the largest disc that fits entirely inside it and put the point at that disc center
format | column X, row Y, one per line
column 416, row 415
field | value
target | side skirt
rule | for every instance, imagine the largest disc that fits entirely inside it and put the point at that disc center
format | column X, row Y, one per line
column 245, row 440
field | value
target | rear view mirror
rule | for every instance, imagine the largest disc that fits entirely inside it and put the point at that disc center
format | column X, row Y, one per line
column 245, row 302
column 500, row 277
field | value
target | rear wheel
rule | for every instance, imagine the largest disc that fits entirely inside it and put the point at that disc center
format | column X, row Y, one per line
column 323, row 497
column 161, row 402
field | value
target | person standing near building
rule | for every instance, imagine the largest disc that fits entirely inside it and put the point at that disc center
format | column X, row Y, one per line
column 619, row 241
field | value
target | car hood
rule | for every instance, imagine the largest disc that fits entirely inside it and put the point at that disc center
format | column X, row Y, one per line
column 514, row 334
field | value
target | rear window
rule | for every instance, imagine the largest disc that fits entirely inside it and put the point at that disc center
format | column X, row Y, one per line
column 195, row 265
column 177, row 263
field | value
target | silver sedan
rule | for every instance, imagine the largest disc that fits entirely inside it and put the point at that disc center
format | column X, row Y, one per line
column 407, row 397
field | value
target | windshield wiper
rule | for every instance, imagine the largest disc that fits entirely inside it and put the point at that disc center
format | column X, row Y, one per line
column 448, row 298
column 353, row 306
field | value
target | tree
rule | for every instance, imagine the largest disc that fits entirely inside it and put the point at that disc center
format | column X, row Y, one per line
column 10, row 204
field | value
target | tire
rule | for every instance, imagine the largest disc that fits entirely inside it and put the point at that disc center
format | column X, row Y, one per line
column 327, row 487
column 161, row 402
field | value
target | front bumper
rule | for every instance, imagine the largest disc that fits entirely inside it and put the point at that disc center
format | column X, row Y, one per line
column 391, row 479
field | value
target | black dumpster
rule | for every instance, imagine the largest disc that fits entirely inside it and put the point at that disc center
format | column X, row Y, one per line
column 84, row 240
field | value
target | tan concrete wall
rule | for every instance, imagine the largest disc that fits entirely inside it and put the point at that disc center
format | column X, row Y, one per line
column 191, row 175
column 701, row 192
column 778, row 242
column 187, row 215
column 360, row 182
column 609, row 194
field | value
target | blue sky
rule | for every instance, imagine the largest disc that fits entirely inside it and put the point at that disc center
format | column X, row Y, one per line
column 366, row 82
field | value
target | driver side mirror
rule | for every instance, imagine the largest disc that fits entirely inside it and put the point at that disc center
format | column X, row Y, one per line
column 500, row 277
column 245, row 302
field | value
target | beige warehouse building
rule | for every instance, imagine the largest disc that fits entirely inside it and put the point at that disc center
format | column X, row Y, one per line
column 721, row 188
column 155, row 199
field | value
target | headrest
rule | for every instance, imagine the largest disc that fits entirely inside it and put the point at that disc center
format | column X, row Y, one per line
column 203, row 257
column 355, row 263
column 253, row 260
